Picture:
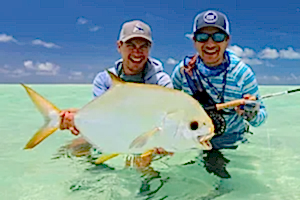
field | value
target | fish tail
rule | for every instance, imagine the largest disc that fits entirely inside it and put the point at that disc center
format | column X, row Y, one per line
column 50, row 114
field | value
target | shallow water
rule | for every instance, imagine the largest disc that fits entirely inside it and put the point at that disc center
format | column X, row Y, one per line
column 266, row 168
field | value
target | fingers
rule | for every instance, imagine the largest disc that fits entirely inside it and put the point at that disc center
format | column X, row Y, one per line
column 239, row 111
column 249, row 96
column 161, row 151
column 74, row 130
column 67, row 121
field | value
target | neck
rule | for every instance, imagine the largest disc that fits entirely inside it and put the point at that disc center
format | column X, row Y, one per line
column 215, row 64
column 130, row 72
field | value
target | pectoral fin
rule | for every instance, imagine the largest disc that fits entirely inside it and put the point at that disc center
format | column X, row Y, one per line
column 141, row 140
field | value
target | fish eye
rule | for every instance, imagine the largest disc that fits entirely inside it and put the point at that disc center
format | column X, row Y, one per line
column 194, row 125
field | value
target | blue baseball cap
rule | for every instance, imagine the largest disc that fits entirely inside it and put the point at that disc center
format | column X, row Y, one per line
column 211, row 18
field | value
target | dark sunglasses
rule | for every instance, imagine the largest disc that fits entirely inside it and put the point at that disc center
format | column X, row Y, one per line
column 217, row 37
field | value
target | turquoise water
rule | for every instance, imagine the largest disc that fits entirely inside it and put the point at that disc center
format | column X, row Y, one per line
column 267, row 168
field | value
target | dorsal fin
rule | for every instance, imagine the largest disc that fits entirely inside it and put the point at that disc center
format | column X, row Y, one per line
column 115, row 79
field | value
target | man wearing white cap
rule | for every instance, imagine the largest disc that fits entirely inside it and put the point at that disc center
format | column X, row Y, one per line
column 134, row 45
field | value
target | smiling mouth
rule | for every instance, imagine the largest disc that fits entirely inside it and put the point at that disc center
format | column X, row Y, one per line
column 136, row 60
column 210, row 52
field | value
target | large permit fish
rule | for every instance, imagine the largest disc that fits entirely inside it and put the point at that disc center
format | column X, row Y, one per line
column 133, row 118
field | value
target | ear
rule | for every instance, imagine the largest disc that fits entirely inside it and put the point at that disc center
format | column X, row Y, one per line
column 228, row 38
column 194, row 39
column 119, row 44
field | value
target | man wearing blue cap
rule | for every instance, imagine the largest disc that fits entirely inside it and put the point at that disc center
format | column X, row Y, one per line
column 216, row 75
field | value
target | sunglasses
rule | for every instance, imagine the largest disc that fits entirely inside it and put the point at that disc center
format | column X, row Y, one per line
column 217, row 37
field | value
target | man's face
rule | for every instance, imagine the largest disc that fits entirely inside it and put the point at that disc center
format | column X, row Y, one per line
column 210, row 51
column 135, row 54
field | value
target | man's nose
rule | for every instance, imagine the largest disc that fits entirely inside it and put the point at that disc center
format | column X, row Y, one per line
column 210, row 43
column 137, row 50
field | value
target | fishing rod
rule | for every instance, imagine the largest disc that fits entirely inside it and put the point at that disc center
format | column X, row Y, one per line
column 280, row 93
column 238, row 102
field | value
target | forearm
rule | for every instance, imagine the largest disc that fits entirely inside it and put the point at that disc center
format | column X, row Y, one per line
column 259, row 119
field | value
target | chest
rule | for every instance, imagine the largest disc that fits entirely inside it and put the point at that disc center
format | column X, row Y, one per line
column 218, row 87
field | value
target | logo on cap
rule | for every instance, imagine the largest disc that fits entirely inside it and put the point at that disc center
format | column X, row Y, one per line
column 138, row 29
column 210, row 17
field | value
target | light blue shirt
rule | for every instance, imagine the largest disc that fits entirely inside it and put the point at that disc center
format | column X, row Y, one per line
column 240, row 80
column 153, row 74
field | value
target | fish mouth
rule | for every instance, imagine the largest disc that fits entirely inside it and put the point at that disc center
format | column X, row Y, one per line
column 204, row 140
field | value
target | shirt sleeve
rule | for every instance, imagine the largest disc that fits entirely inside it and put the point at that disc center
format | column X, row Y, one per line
column 100, row 84
column 250, row 86
column 165, row 80
column 176, row 76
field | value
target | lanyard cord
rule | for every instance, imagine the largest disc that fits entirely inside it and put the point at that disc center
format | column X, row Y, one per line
column 220, row 94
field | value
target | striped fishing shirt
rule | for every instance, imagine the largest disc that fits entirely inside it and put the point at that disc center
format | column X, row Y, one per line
column 240, row 80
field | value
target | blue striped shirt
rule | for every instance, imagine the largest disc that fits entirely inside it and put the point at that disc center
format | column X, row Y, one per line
column 153, row 74
column 240, row 80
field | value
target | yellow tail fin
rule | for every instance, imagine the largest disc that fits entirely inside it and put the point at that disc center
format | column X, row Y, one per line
column 50, row 114
column 104, row 158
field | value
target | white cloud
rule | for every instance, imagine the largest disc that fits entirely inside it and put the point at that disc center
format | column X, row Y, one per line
column 268, row 53
column 276, row 78
column 4, row 71
column 172, row 61
column 7, row 38
column 242, row 52
column 28, row 64
column 237, row 50
column 189, row 35
column 94, row 28
column 253, row 61
column 289, row 53
column 269, row 78
column 294, row 77
column 48, row 45
column 9, row 71
column 46, row 68
column 76, row 75
column 19, row 73
column 82, row 21
column 248, row 52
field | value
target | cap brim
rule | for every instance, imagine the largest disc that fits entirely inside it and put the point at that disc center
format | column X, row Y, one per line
column 136, row 36
column 212, row 25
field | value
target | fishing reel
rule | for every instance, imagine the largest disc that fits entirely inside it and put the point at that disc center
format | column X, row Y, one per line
column 218, row 121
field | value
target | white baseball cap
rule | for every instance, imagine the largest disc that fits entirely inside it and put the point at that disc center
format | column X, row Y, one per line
column 135, row 29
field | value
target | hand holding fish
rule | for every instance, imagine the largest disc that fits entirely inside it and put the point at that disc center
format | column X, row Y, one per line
column 67, row 120
column 146, row 159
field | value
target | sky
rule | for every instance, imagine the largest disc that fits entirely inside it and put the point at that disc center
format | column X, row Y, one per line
column 70, row 41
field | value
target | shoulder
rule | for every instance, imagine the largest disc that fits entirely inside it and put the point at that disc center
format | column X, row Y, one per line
column 156, row 74
column 238, row 68
column 176, row 71
column 103, row 77
column 241, row 73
